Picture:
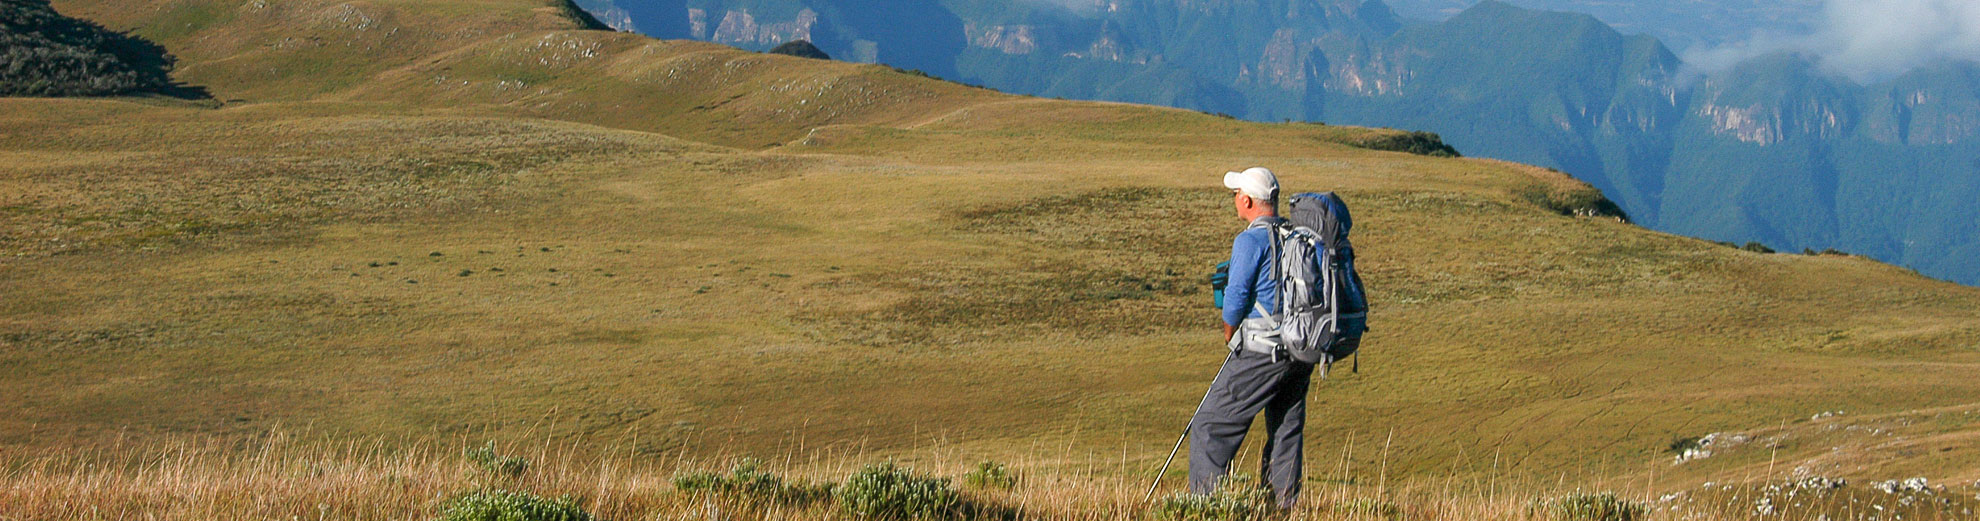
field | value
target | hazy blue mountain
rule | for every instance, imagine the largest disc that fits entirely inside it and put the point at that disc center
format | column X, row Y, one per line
column 1778, row 151
column 1774, row 150
column 1583, row 98
column 1680, row 24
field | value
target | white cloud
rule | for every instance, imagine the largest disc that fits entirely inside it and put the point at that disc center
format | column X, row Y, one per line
column 1866, row 40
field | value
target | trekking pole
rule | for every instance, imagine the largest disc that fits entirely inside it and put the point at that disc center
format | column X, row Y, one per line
column 1186, row 426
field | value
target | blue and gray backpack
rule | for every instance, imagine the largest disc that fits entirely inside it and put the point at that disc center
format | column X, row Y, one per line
column 1321, row 304
column 1323, row 309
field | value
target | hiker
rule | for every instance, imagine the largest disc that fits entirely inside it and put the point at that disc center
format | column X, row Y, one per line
column 1257, row 377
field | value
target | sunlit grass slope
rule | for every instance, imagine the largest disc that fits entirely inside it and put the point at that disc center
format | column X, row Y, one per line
column 449, row 218
column 290, row 475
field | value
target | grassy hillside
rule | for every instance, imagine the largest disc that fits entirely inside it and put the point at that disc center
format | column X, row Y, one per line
column 467, row 220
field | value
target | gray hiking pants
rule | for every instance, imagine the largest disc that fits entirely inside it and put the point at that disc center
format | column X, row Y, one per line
column 1251, row 383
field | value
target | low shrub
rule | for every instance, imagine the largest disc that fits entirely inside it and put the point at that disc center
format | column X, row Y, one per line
column 1414, row 142
column 885, row 491
column 503, row 505
column 991, row 474
column 1584, row 202
column 45, row 53
column 1756, row 247
column 1684, row 443
column 493, row 463
column 916, row 73
column 1367, row 507
column 583, row 18
column 1228, row 503
column 1603, row 506
column 801, row 49
column 747, row 479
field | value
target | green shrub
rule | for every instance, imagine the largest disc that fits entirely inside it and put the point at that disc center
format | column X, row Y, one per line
column 1232, row 502
column 503, row 505
column 1415, row 142
column 495, row 464
column 582, row 17
column 915, row 72
column 991, row 474
column 1684, row 443
column 1585, row 202
column 1604, row 506
column 1756, row 247
column 44, row 53
column 1367, row 507
column 884, row 491
column 747, row 479
column 801, row 49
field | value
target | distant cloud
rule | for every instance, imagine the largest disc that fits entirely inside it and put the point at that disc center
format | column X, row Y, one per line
column 1865, row 40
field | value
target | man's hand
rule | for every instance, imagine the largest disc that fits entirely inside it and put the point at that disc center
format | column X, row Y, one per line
column 1228, row 331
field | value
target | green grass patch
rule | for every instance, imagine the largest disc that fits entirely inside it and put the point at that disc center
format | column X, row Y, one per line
column 747, row 480
column 1603, row 506
column 1229, row 503
column 185, row 18
column 494, row 464
column 886, row 491
column 991, row 474
column 503, row 505
column 1367, row 507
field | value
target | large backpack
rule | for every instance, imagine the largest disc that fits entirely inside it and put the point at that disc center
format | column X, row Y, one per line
column 1323, row 309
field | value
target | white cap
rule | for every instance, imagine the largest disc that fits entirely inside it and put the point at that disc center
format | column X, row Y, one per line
column 1256, row 182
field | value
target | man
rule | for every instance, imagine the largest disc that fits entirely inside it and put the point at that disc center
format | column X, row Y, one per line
column 1259, row 376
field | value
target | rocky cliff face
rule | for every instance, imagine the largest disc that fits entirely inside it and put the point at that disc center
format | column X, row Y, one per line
column 741, row 29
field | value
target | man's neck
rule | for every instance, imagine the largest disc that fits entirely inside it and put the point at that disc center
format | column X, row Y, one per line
column 1261, row 213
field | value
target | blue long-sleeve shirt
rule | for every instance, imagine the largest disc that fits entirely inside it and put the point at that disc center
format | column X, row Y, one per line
column 1251, row 276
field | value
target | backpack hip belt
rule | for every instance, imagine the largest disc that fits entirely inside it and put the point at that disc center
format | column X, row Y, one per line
column 1259, row 335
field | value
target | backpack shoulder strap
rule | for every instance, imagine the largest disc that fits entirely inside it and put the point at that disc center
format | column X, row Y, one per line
column 1278, row 271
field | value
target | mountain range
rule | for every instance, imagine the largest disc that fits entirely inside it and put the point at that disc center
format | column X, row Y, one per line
column 1775, row 150
column 1683, row 25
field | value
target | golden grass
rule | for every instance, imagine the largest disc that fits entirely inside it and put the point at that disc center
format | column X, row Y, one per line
column 283, row 475
column 627, row 258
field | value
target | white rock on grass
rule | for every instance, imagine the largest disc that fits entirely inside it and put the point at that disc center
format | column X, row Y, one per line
column 1913, row 485
column 1820, row 483
column 1918, row 484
